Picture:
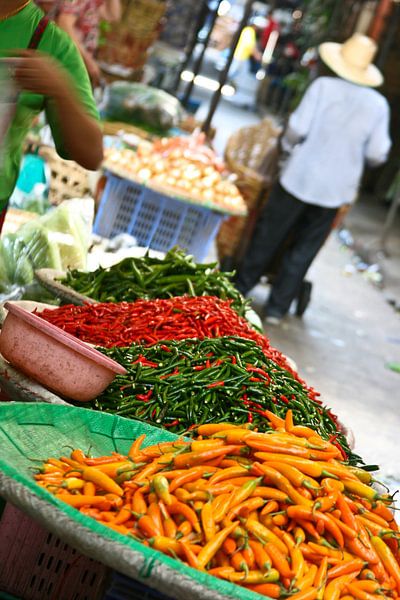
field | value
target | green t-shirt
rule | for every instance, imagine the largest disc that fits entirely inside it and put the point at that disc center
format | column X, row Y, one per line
column 16, row 33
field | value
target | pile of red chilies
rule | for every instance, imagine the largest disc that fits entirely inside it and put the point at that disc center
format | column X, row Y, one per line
column 150, row 321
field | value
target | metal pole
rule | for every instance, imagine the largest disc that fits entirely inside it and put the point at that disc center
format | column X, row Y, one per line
column 224, row 74
column 198, row 62
column 192, row 44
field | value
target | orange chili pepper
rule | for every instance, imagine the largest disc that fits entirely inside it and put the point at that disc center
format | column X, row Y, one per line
column 233, row 436
column 182, row 509
column 307, row 514
column 384, row 511
column 166, row 545
column 330, row 552
column 321, row 578
column 190, row 556
column 123, row 516
column 155, row 513
column 266, row 535
column 261, row 557
column 238, row 562
column 102, row 480
column 270, row 493
column 161, row 488
column 388, row 560
column 79, row 456
column 367, row 554
column 347, row 566
column 357, row 592
column 210, row 549
column 335, row 587
column 294, row 475
column 204, row 445
column 190, row 459
column 148, row 527
column 246, row 507
column 271, row 506
column 252, row 577
column 248, row 555
column 309, row 528
column 308, row 594
column 187, row 476
column 139, row 505
column 280, row 520
column 297, row 561
column 170, row 528
column 220, row 506
column 185, row 528
column 279, row 560
column 134, row 450
column 149, row 470
column 229, row 546
column 273, row 590
column 79, row 500
column 207, row 521
column 221, row 571
column 212, row 428
column 229, row 473
column 284, row 485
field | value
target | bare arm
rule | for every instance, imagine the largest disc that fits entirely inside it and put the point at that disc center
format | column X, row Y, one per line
column 111, row 11
column 81, row 134
column 67, row 22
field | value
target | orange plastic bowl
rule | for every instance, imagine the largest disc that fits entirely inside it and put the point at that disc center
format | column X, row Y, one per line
column 54, row 358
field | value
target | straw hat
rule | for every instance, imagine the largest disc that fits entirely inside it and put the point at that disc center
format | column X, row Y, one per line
column 352, row 60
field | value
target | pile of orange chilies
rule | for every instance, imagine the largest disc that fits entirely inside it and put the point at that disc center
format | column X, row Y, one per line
column 275, row 512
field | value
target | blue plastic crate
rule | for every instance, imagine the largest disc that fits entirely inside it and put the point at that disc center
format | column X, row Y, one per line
column 156, row 221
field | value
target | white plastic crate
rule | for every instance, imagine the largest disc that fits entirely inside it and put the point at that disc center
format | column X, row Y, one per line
column 155, row 220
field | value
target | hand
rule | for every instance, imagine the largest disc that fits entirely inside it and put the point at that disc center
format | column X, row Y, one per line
column 40, row 74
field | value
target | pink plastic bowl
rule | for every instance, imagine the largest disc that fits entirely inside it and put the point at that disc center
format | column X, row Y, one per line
column 54, row 358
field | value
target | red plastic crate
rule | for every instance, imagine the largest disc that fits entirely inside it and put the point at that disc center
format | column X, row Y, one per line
column 37, row 565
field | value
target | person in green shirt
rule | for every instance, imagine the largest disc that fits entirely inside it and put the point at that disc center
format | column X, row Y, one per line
column 52, row 78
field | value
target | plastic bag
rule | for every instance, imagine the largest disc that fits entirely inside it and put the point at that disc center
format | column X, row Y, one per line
column 140, row 104
column 58, row 240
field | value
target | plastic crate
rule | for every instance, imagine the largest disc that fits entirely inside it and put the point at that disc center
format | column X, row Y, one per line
column 123, row 588
column 35, row 564
column 156, row 221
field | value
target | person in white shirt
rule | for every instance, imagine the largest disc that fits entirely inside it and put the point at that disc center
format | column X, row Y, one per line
column 340, row 125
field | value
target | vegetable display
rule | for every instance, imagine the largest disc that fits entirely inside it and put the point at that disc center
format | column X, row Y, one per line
column 178, row 384
column 150, row 321
column 146, row 277
column 277, row 512
column 183, row 166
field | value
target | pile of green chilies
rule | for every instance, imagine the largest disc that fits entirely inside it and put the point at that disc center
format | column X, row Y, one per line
column 178, row 384
column 175, row 275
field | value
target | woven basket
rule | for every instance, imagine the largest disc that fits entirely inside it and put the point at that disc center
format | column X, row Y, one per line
column 252, row 154
column 68, row 179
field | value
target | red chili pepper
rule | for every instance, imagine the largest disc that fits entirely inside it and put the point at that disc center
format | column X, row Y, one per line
column 216, row 384
column 145, row 397
column 172, row 424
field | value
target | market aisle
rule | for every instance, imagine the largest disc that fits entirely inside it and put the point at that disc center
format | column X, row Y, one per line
column 341, row 346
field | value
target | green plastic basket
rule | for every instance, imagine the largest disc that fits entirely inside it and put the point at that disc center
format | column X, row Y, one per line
column 34, row 432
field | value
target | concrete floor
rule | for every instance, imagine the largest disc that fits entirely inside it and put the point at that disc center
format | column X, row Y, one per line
column 349, row 333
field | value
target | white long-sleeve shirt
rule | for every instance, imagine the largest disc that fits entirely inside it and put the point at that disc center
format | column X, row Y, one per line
column 337, row 128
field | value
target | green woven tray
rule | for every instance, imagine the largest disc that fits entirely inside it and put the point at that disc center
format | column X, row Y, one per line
column 34, row 432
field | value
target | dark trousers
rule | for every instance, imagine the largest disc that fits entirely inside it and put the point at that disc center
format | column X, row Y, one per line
column 284, row 217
